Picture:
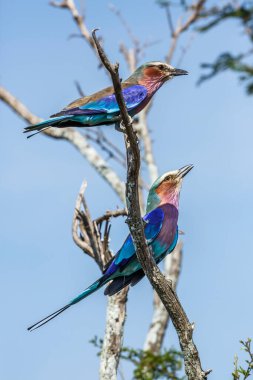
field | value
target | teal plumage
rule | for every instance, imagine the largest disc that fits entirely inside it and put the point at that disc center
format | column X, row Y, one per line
column 161, row 233
column 102, row 108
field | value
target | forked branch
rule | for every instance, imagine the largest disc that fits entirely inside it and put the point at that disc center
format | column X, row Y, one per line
column 195, row 10
column 88, row 235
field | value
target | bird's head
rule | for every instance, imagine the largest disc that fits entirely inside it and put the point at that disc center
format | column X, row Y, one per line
column 166, row 188
column 155, row 73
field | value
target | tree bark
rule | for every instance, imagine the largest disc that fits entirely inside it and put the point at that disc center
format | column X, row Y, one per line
column 115, row 319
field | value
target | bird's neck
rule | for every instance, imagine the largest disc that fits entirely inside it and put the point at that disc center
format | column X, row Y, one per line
column 157, row 199
column 152, row 83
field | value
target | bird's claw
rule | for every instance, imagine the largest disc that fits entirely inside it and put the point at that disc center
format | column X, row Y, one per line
column 120, row 127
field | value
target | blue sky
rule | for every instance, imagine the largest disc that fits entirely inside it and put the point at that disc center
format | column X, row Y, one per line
column 41, row 269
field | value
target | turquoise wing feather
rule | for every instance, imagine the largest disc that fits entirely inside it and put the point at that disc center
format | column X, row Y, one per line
column 153, row 224
column 133, row 96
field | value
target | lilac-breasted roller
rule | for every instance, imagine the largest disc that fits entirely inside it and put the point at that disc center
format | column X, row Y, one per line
column 102, row 108
column 161, row 232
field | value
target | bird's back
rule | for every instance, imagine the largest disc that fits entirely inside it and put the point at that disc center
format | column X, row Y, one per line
column 90, row 99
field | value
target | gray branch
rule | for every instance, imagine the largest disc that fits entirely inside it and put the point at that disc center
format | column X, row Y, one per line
column 195, row 8
column 115, row 319
column 160, row 319
column 88, row 236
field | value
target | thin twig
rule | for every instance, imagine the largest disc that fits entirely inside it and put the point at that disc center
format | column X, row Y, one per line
column 101, row 140
column 182, row 27
column 133, row 38
column 149, row 158
column 79, row 20
column 111, row 214
column 79, row 89
column 169, row 18
column 80, row 242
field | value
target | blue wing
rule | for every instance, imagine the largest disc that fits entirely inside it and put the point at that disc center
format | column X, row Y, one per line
column 133, row 96
column 154, row 221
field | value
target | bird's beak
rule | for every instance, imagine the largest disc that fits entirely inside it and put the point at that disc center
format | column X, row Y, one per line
column 184, row 170
column 177, row 72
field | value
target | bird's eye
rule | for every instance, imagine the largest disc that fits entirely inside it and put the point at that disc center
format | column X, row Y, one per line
column 161, row 67
column 168, row 178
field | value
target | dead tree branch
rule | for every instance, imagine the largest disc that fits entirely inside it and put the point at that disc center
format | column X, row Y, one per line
column 164, row 288
column 112, row 343
column 87, row 234
column 111, row 214
column 72, row 136
column 149, row 158
column 81, row 239
column 160, row 319
column 78, row 19
column 98, row 137
column 195, row 8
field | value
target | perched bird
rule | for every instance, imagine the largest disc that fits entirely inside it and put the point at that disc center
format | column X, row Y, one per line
column 102, row 107
column 161, row 232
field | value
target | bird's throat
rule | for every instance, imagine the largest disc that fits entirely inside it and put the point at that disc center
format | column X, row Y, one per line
column 158, row 198
column 152, row 84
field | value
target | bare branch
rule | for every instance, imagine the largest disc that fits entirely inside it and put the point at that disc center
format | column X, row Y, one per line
column 184, row 49
column 106, row 145
column 147, row 144
column 133, row 38
column 111, row 214
column 71, row 135
column 94, row 245
column 78, row 239
column 160, row 319
column 182, row 27
column 84, row 231
column 79, row 20
column 169, row 18
column 164, row 288
column 115, row 319
column 130, row 57
column 79, row 89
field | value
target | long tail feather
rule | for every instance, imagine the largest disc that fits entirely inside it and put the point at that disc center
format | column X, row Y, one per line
column 40, row 127
column 47, row 319
column 91, row 289
column 35, row 133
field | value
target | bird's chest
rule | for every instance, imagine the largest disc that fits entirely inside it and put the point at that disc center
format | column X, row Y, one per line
column 140, row 106
column 166, row 240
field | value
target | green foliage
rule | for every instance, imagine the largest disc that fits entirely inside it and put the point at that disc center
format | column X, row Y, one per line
column 238, row 370
column 149, row 366
column 169, row 363
column 242, row 12
column 234, row 63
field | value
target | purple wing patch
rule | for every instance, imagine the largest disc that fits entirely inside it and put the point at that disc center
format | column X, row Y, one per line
column 133, row 96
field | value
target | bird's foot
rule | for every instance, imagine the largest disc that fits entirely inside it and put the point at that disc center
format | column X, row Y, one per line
column 120, row 127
